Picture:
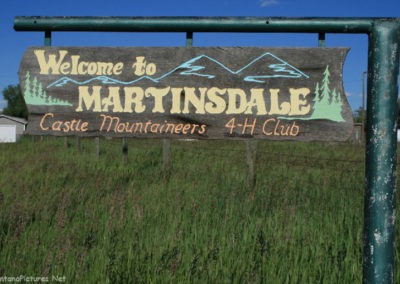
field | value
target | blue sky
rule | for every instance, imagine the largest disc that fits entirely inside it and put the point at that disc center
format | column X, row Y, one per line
column 14, row 44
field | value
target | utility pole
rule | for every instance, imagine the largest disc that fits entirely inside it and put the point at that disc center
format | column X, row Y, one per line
column 363, row 104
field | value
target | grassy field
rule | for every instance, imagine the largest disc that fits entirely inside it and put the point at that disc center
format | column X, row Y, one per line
column 98, row 220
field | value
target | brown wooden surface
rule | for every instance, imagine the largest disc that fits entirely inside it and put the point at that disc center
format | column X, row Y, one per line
column 56, row 93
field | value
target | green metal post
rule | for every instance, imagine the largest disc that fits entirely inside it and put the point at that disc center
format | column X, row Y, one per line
column 194, row 24
column 321, row 39
column 47, row 38
column 189, row 39
column 381, row 157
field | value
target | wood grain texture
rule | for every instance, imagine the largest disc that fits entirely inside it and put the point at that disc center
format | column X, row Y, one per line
column 196, row 93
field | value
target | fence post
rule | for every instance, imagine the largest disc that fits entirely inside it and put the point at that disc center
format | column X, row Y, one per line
column 97, row 143
column 78, row 143
column 251, row 153
column 166, row 163
column 381, row 157
column 166, row 142
column 124, row 151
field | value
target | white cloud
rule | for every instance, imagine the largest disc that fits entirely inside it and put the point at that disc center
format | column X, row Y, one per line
column 267, row 3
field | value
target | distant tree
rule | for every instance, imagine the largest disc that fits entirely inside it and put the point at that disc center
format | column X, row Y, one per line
column 358, row 115
column 16, row 103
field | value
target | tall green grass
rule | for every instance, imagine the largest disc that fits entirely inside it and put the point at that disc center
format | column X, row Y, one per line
column 64, row 212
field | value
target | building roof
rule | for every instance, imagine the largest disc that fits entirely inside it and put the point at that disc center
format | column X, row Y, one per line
column 13, row 118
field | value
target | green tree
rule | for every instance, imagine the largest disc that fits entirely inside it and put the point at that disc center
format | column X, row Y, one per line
column 16, row 103
column 359, row 114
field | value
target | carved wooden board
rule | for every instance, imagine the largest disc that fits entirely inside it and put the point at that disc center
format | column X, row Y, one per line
column 200, row 93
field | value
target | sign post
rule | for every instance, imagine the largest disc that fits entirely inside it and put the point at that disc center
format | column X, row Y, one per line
column 381, row 156
column 383, row 71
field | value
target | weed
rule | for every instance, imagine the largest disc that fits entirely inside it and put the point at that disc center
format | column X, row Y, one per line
column 65, row 212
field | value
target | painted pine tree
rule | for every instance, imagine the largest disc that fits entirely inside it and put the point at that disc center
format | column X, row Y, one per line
column 27, row 91
column 317, row 93
column 34, row 88
column 327, row 103
column 40, row 92
column 35, row 94
column 326, row 96
column 338, row 98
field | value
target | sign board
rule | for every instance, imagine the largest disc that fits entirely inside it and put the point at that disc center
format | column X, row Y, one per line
column 201, row 93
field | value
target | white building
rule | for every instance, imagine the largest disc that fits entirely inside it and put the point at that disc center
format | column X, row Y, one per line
column 11, row 128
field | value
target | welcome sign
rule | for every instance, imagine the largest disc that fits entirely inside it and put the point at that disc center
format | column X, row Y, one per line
column 201, row 93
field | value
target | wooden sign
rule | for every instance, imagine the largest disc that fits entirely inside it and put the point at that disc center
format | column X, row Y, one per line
column 201, row 93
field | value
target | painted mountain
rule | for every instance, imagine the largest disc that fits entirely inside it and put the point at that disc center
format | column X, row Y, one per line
column 207, row 67
column 102, row 79
column 273, row 67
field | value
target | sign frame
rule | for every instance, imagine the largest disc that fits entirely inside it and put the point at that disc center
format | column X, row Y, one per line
column 382, row 93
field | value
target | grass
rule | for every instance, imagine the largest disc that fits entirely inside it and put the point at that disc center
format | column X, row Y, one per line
column 98, row 220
